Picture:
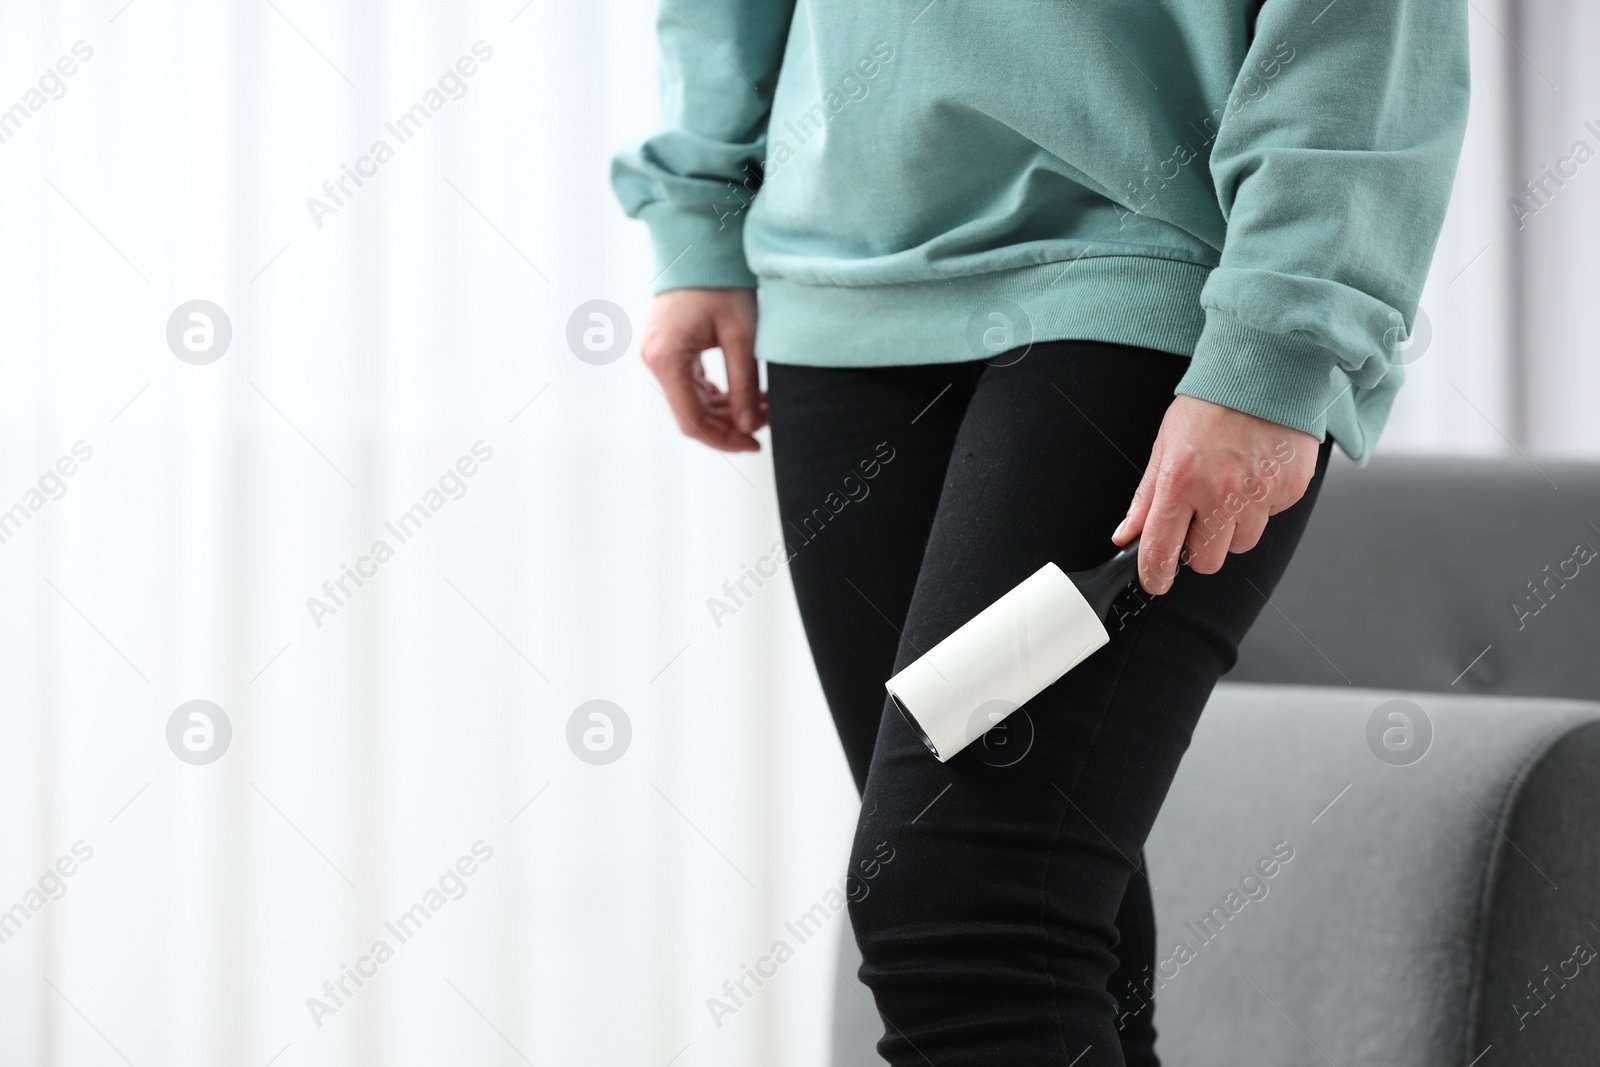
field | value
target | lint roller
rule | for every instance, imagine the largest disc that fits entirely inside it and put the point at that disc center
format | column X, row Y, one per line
column 1009, row 652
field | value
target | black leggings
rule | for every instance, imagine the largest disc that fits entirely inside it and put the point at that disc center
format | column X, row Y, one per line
column 1006, row 919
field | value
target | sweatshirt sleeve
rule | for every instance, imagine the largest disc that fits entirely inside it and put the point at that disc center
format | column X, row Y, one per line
column 692, row 182
column 1333, row 164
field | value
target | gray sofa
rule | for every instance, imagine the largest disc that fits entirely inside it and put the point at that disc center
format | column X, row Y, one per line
column 1416, row 718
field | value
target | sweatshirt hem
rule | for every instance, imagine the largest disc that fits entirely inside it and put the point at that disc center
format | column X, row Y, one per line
column 1131, row 300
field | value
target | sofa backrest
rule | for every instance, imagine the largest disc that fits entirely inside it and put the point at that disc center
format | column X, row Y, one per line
column 1441, row 575
column 1434, row 913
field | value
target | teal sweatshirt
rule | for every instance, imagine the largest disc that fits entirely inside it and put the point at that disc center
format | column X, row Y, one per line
column 1255, row 184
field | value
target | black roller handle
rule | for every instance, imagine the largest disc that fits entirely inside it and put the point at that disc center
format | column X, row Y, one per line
column 1103, row 584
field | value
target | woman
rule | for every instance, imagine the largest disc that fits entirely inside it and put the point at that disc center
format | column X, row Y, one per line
column 1038, row 278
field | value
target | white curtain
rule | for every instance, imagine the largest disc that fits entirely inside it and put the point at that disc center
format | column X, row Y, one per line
column 1514, row 357
column 179, row 529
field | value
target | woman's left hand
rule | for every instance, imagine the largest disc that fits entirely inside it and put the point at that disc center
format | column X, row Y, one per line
column 1215, row 475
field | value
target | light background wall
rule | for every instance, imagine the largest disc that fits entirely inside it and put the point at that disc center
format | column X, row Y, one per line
column 430, row 711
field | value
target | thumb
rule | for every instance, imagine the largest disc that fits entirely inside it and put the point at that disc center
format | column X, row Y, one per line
column 736, row 338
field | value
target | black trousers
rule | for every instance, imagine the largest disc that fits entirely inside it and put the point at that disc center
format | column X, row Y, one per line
column 1012, row 922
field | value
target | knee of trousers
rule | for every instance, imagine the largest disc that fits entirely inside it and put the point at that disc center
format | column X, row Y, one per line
column 930, row 912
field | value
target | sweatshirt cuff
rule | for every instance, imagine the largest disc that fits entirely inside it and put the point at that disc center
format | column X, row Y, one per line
column 1282, row 377
column 695, row 249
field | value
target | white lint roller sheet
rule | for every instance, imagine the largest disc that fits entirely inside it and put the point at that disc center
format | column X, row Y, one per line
column 999, row 660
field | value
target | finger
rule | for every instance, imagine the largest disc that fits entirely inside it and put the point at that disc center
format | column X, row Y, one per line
column 1293, row 475
column 722, row 407
column 718, row 424
column 1139, row 506
column 1287, row 495
column 1248, row 527
column 1165, row 526
column 744, row 380
column 686, row 390
column 722, row 398
column 1208, row 541
column 719, row 408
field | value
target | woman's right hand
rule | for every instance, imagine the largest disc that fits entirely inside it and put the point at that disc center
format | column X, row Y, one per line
column 683, row 324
